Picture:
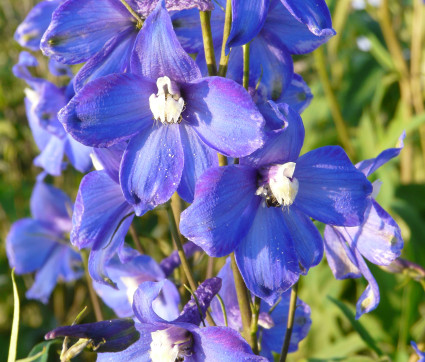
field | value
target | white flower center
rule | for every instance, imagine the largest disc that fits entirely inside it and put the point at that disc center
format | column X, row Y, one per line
column 167, row 105
column 171, row 344
column 282, row 187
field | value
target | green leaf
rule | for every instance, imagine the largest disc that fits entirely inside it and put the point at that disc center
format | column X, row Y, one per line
column 15, row 323
column 363, row 333
column 381, row 54
column 39, row 353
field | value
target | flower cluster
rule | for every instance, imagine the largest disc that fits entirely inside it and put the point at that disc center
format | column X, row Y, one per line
column 144, row 111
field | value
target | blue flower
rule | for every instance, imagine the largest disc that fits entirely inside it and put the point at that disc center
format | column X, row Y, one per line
column 161, row 340
column 39, row 244
column 272, row 325
column 174, row 120
column 261, row 208
column 378, row 239
column 42, row 102
column 420, row 353
column 29, row 32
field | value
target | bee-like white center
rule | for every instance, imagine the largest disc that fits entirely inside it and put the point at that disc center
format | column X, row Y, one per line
column 167, row 105
column 282, row 187
column 171, row 344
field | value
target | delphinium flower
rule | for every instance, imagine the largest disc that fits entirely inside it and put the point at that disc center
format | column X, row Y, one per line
column 421, row 354
column 261, row 208
column 174, row 120
column 43, row 101
column 378, row 239
column 39, row 244
column 134, row 270
column 272, row 322
column 101, row 33
column 180, row 339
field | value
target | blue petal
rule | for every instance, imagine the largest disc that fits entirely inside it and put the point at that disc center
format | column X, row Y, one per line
column 40, row 135
column 224, row 116
column 331, row 189
column 172, row 261
column 340, row 258
column 198, row 157
column 110, row 159
column 61, row 263
column 78, row 154
column 20, row 70
column 298, row 95
column 114, row 114
column 306, row 238
column 420, row 353
column 221, row 344
column 248, row 18
column 51, row 157
column 94, row 21
column 59, row 69
column 152, row 166
column 301, row 26
column 99, row 208
column 224, row 207
column 282, row 145
column 157, row 51
column 193, row 309
column 266, row 257
column 29, row 244
column 113, row 58
column 272, row 339
column 29, row 32
column 368, row 167
column 146, row 7
column 110, row 336
column 51, row 205
column 378, row 239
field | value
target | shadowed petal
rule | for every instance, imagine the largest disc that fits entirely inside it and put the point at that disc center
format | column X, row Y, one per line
column 109, row 110
column 95, row 21
column 78, row 154
column 266, row 257
column 158, row 53
column 224, row 207
column 198, row 157
column 331, row 189
column 152, row 166
column 51, row 158
column 110, row 159
column 224, row 116
column 298, row 95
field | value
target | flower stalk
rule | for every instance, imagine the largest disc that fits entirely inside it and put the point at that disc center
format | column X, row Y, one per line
column 93, row 297
column 208, row 42
column 224, row 59
column 139, row 20
column 290, row 324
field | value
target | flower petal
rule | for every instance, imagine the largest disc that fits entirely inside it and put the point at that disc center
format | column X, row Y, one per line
column 109, row 110
column 306, row 238
column 198, row 157
column 266, row 257
column 331, row 189
column 224, row 116
column 110, row 159
column 224, row 207
column 94, row 21
column 282, row 145
column 152, row 166
column 29, row 32
column 51, row 158
column 172, row 261
column 248, row 18
column 146, row 7
column 157, row 51
column 298, row 95
column 78, row 154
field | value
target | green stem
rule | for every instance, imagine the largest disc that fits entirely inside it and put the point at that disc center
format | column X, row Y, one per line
column 245, row 79
column 178, row 242
column 208, row 42
column 93, row 297
column 243, row 301
column 224, row 59
column 340, row 125
column 290, row 324
column 133, row 13
column 136, row 239
column 254, row 324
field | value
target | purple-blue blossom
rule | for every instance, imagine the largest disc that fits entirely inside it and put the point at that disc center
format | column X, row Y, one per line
column 261, row 208
column 174, row 120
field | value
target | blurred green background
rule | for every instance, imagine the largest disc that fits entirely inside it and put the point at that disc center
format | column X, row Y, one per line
column 363, row 100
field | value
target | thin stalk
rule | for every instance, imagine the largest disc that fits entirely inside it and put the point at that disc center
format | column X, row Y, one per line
column 290, row 324
column 133, row 13
column 93, row 297
column 224, row 59
column 208, row 42
column 136, row 239
column 245, row 79
column 341, row 127
column 210, row 267
column 243, row 301
column 178, row 242
column 254, row 324
column 396, row 52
